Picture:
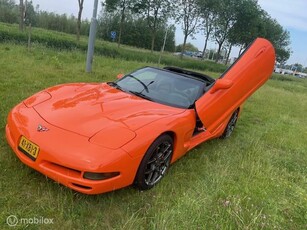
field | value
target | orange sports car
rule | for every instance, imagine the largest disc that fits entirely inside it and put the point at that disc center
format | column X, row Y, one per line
column 99, row 137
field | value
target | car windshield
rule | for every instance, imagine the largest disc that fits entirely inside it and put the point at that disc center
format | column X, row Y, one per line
column 162, row 86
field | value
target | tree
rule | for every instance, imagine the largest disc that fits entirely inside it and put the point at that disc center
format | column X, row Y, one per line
column 8, row 11
column 298, row 67
column 30, row 14
column 226, row 16
column 252, row 22
column 80, row 2
column 247, row 26
column 107, row 22
column 207, row 14
column 137, row 32
column 188, row 15
column 282, row 54
column 188, row 47
column 156, row 13
column 228, row 47
column 280, row 38
column 21, row 15
column 121, row 6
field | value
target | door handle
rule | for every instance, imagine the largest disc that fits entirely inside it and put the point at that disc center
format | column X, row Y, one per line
column 261, row 51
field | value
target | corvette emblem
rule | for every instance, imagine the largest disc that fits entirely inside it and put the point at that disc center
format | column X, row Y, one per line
column 41, row 128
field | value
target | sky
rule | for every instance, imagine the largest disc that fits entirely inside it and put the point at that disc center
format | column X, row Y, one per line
column 291, row 14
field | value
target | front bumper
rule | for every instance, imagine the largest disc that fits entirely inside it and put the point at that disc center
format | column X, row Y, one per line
column 65, row 156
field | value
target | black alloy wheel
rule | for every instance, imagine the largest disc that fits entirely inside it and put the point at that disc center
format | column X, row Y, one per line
column 155, row 163
column 231, row 125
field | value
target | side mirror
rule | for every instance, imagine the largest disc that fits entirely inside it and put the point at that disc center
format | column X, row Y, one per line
column 221, row 84
column 119, row 76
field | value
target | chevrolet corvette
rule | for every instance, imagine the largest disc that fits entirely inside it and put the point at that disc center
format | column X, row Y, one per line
column 95, row 138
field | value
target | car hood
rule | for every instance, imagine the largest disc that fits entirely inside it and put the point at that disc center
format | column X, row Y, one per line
column 87, row 109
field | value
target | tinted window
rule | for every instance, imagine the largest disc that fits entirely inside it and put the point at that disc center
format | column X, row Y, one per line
column 163, row 87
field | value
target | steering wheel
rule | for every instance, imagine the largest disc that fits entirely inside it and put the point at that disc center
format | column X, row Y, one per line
column 183, row 99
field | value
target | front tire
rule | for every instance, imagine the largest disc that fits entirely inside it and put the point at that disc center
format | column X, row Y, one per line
column 230, row 125
column 155, row 163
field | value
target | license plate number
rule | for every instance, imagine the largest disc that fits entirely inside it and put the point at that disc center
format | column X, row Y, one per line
column 28, row 148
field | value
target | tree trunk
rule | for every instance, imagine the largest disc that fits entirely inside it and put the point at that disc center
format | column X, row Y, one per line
column 228, row 54
column 121, row 28
column 240, row 51
column 79, row 19
column 29, row 37
column 184, row 44
column 121, row 25
column 120, row 34
column 218, row 52
column 21, row 15
column 153, row 38
column 205, row 47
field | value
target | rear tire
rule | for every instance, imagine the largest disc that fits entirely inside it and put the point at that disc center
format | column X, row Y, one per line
column 231, row 125
column 155, row 163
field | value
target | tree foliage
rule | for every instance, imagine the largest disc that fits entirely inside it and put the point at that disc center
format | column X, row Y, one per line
column 208, row 9
column 137, row 32
column 143, row 23
column 156, row 13
column 8, row 11
column 188, row 47
column 189, row 15
column 122, row 8
column 21, row 15
column 238, row 23
column 226, row 17
column 280, row 38
column 247, row 25
column 80, row 4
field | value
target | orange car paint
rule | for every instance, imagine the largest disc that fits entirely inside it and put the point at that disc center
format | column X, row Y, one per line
column 71, row 145
column 250, row 72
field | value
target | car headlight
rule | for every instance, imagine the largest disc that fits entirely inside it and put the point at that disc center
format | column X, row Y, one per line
column 99, row 176
column 37, row 99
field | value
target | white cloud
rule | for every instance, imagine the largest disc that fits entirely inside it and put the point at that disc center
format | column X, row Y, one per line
column 290, row 14
column 69, row 7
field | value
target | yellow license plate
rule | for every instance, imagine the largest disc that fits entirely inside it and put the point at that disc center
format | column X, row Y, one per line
column 28, row 148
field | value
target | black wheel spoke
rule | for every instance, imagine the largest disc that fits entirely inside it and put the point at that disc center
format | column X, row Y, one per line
column 166, row 157
column 166, row 148
column 231, row 125
column 155, row 163
column 154, row 177
column 150, row 177
column 158, row 164
column 149, row 171
column 151, row 161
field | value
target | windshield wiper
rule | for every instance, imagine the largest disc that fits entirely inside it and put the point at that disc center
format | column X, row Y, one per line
column 138, row 80
column 140, row 94
column 115, row 85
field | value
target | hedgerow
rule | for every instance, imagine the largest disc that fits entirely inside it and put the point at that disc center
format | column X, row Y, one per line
column 62, row 41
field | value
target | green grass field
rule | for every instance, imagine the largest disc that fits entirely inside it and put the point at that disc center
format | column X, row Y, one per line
column 256, row 179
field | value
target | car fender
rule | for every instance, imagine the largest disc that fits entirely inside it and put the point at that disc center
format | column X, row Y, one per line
column 180, row 125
